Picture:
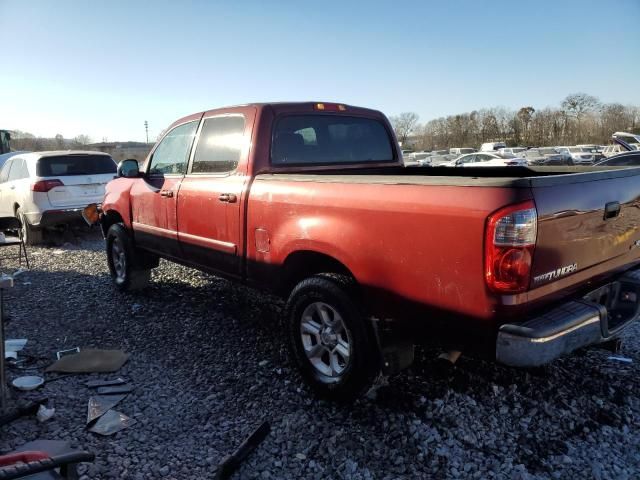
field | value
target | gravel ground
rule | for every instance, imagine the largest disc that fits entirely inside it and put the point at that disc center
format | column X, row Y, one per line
column 209, row 364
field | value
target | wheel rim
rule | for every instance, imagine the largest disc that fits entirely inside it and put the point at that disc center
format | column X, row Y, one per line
column 119, row 259
column 326, row 340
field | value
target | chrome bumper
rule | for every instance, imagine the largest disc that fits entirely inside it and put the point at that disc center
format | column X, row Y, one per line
column 598, row 317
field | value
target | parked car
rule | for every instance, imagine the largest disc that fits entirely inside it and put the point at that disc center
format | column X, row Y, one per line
column 626, row 159
column 492, row 146
column 611, row 150
column 312, row 201
column 485, row 159
column 45, row 189
column 579, row 155
column 437, row 160
column 511, row 151
column 461, row 151
column 545, row 157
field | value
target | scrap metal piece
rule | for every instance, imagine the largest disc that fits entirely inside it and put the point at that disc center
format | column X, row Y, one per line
column 69, row 351
column 99, row 405
column 231, row 462
column 115, row 390
column 111, row 422
column 90, row 360
column 105, row 383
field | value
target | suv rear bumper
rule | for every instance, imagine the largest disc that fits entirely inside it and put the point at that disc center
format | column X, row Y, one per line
column 50, row 218
column 598, row 317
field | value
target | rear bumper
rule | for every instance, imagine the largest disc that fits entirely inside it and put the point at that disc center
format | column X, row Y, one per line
column 50, row 218
column 598, row 317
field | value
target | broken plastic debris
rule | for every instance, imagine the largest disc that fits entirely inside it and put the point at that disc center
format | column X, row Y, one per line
column 115, row 389
column 45, row 413
column 620, row 358
column 104, row 383
column 15, row 344
column 99, row 405
column 111, row 422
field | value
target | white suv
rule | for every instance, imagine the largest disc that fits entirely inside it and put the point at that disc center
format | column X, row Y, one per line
column 45, row 189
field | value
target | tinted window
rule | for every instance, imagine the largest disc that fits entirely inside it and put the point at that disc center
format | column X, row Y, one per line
column 76, row 164
column 220, row 145
column 171, row 155
column 329, row 139
column 18, row 170
column 4, row 174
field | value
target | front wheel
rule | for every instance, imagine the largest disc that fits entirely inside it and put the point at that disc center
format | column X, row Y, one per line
column 121, row 260
column 331, row 342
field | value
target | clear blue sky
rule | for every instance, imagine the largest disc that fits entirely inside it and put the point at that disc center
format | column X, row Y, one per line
column 103, row 68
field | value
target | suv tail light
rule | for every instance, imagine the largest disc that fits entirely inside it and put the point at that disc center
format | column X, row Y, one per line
column 46, row 185
column 509, row 245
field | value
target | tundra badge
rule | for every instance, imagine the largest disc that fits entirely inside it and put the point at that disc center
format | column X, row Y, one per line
column 555, row 274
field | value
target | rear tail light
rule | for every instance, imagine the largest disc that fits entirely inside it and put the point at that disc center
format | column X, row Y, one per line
column 46, row 185
column 509, row 245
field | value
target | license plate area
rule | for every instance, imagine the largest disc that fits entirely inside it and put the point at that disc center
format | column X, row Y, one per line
column 621, row 301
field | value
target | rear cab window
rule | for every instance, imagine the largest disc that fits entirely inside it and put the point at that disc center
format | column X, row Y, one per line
column 325, row 139
column 76, row 164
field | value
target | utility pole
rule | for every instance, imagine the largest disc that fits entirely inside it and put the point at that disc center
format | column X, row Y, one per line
column 146, row 129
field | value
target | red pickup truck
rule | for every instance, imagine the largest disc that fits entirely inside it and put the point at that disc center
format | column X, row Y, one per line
column 312, row 201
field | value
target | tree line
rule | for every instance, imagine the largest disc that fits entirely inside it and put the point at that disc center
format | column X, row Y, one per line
column 580, row 119
column 27, row 141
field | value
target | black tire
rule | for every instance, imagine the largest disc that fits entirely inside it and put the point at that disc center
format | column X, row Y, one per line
column 30, row 235
column 363, row 365
column 126, row 275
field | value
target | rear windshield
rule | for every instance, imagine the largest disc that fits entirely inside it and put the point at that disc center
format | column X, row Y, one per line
column 66, row 165
column 329, row 139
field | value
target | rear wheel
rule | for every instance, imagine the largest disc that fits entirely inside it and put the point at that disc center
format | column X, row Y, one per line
column 28, row 233
column 122, row 262
column 330, row 339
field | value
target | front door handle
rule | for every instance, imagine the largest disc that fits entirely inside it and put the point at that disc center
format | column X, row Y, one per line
column 166, row 193
column 227, row 197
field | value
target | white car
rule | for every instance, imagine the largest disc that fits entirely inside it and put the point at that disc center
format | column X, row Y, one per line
column 511, row 151
column 492, row 146
column 485, row 159
column 45, row 189
column 579, row 155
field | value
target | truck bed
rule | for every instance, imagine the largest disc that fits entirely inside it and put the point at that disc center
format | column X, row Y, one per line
column 424, row 231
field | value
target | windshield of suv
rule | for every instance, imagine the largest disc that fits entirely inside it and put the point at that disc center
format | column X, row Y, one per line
column 76, row 164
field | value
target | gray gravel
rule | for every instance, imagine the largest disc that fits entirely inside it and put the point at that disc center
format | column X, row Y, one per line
column 209, row 364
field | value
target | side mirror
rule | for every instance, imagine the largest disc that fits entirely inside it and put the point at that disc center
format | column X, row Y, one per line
column 128, row 168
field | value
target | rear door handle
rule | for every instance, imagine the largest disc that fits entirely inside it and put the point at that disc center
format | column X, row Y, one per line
column 166, row 193
column 227, row 197
column 611, row 210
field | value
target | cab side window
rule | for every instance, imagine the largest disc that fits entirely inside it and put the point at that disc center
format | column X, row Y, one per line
column 220, row 145
column 171, row 155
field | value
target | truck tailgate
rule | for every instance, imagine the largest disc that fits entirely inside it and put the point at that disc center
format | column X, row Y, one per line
column 585, row 220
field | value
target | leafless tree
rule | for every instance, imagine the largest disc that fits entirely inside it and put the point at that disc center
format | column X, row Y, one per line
column 404, row 124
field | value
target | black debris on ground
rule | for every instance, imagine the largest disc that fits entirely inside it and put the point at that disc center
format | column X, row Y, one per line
column 209, row 363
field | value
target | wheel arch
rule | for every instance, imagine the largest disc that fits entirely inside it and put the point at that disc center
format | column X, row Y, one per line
column 303, row 264
column 109, row 218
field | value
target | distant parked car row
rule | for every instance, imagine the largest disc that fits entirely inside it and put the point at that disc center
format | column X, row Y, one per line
column 498, row 154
